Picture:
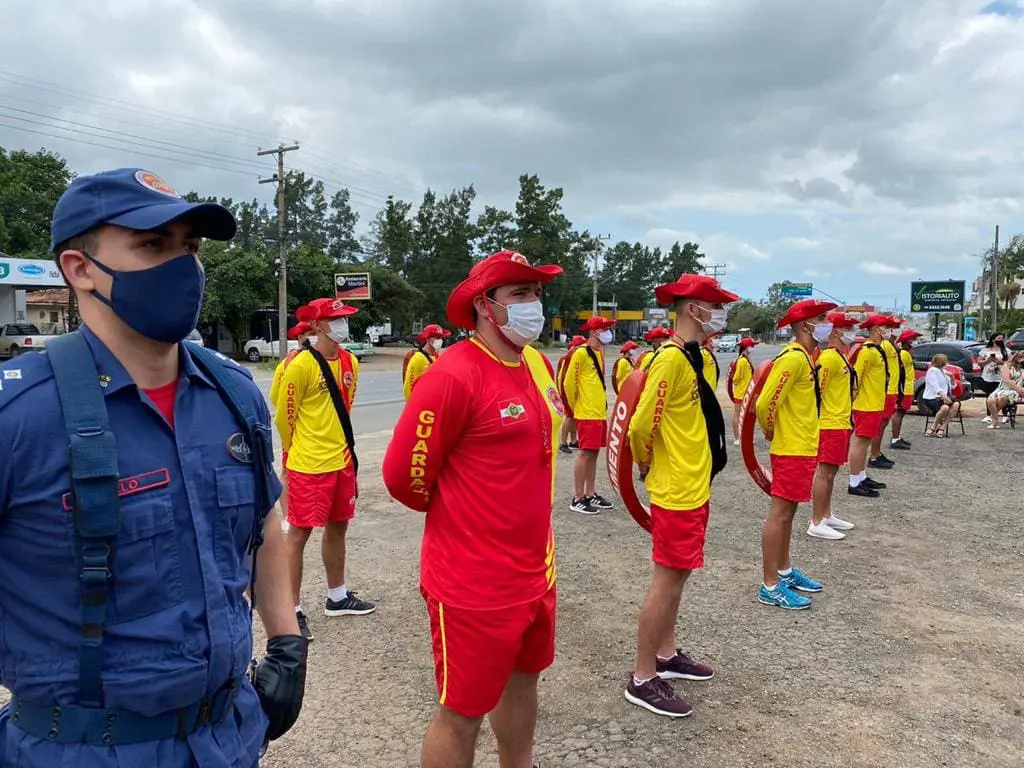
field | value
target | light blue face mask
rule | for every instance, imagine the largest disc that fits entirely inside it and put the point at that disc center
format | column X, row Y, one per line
column 822, row 332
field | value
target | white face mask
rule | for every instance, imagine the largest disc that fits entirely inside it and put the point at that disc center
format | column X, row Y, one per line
column 337, row 330
column 717, row 322
column 605, row 337
column 822, row 332
column 525, row 322
column 848, row 337
column 437, row 343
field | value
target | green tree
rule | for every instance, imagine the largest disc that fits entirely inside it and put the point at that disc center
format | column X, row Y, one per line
column 342, row 244
column 238, row 282
column 496, row 231
column 392, row 295
column 748, row 314
column 681, row 259
column 392, row 236
column 30, row 185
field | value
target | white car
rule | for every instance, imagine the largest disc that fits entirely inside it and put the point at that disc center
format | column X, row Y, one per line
column 18, row 338
column 257, row 350
column 728, row 343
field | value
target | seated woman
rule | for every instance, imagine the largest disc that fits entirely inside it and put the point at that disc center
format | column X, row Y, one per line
column 1009, row 391
column 936, row 396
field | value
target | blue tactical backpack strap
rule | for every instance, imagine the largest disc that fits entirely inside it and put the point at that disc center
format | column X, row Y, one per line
column 260, row 438
column 94, row 478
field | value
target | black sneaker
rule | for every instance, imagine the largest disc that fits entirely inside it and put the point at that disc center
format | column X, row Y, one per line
column 881, row 463
column 863, row 490
column 899, row 444
column 304, row 629
column 583, row 506
column 351, row 605
column 658, row 697
column 874, row 485
column 564, row 448
column 574, row 445
column 599, row 501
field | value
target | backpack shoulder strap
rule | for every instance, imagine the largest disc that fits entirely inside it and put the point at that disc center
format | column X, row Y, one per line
column 339, row 403
column 597, row 366
column 94, row 478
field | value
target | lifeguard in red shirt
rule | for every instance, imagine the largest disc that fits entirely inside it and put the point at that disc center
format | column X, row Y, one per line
column 474, row 449
column 587, row 400
column 787, row 411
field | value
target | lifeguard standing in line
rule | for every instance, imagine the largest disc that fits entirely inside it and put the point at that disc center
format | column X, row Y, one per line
column 625, row 364
column 872, row 368
column 588, row 402
column 567, row 438
column 670, row 440
column 740, row 374
column 474, row 450
column 890, row 332
column 655, row 337
column 430, row 342
column 787, row 411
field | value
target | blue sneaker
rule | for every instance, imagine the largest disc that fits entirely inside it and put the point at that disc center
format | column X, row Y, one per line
column 783, row 597
column 800, row 581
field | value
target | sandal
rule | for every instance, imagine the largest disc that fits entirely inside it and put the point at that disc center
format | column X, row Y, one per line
column 929, row 432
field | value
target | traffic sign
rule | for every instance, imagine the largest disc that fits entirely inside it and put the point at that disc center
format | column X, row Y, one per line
column 797, row 289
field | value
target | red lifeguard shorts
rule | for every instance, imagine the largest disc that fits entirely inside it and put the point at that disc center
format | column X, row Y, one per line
column 315, row 500
column 592, row 434
column 906, row 403
column 793, row 477
column 890, row 407
column 833, row 446
column 677, row 536
column 475, row 652
column 867, row 423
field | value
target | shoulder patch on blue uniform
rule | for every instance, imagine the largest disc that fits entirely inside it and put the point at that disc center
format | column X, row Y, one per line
column 22, row 373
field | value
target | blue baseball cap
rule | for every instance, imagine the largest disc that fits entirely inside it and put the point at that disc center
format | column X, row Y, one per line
column 132, row 198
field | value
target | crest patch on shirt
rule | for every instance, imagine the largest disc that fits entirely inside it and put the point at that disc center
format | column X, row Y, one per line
column 239, row 448
column 511, row 411
column 15, row 373
column 556, row 401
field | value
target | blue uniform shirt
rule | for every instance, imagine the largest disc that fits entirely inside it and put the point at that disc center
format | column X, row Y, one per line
column 178, row 622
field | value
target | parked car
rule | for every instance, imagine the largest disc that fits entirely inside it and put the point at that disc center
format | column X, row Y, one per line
column 257, row 350
column 359, row 349
column 195, row 337
column 963, row 354
column 17, row 338
column 1015, row 341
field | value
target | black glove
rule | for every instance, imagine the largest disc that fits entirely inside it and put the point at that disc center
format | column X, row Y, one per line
column 280, row 681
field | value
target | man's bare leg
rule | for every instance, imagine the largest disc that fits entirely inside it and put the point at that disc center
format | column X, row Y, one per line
column 858, row 454
column 590, row 479
column 514, row 721
column 737, row 407
column 657, row 623
column 897, row 424
column 450, row 741
column 333, row 550
column 778, row 529
column 297, row 538
column 824, row 482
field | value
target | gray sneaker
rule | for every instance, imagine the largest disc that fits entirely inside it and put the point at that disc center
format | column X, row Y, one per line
column 658, row 697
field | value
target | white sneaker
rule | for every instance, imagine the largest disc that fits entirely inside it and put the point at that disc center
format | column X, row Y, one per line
column 822, row 531
column 840, row 525
column 987, row 420
column 1006, row 419
column 735, row 442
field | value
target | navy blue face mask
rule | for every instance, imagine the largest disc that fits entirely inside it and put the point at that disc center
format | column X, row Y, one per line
column 161, row 303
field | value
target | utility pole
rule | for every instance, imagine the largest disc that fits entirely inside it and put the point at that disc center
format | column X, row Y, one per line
column 715, row 270
column 597, row 255
column 282, row 246
column 995, row 282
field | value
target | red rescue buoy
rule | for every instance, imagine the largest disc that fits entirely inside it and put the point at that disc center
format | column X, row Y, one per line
column 761, row 474
column 619, row 455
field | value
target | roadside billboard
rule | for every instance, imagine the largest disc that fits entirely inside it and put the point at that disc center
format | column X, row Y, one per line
column 30, row 273
column 937, row 296
column 353, row 286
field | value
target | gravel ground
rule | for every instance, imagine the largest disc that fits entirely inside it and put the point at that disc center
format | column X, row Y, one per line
column 912, row 656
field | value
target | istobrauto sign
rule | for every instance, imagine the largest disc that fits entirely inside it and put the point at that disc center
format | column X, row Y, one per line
column 941, row 296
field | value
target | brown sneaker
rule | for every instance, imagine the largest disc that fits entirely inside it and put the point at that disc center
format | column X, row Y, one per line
column 682, row 667
column 658, row 697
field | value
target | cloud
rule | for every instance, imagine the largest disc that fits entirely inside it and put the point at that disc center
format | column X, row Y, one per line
column 816, row 273
column 718, row 248
column 880, row 132
column 878, row 268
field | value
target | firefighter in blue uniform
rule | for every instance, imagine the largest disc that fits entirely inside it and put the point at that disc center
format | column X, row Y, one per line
column 136, row 498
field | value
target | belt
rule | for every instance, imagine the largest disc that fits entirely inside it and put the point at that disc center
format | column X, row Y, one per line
column 110, row 727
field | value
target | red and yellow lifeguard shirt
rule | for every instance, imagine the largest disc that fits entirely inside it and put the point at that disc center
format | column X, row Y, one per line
column 907, row 361
column 474, row 448
column 870, row 368
column 584, row 388
column 892, row 355
column 834, row 376
column 668, row 432
column 788, row 406
column 418, row 365
column 306, row 418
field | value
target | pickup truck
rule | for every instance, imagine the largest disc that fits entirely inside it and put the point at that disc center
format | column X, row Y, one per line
column 257, row 350
column 17, row 338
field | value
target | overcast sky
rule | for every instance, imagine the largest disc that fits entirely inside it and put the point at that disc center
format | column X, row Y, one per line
column 855, row 144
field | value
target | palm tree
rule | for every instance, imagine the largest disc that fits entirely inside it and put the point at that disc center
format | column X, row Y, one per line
column 1008, row 293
